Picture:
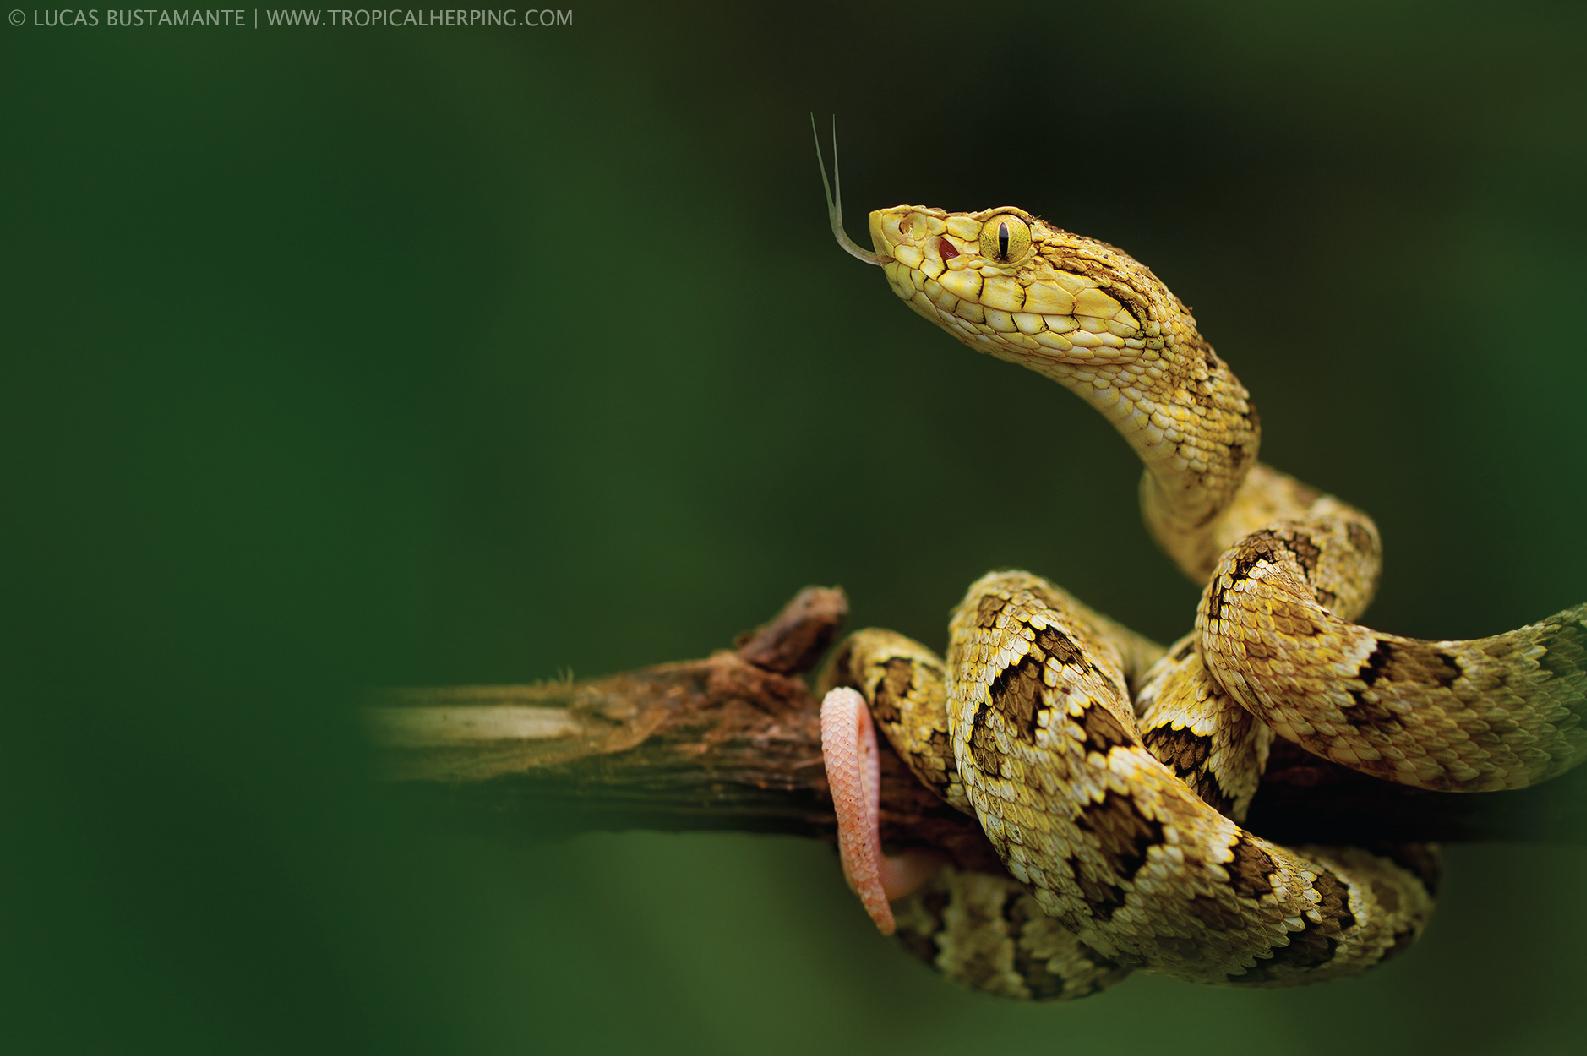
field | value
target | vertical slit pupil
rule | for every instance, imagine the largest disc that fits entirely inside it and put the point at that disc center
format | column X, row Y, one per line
column 1002, row 240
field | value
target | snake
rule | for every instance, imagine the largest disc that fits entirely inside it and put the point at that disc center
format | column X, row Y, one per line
column 1112, row 775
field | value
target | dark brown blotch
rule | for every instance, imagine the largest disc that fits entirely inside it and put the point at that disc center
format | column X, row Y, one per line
column 1565, row 651
column 1360, row 538
column 1214, row 603
column 987, row 609
column 1123, row 836
column 1053, row 643
column 1185, row 752
column 1123, row 832
column 1251, row 869
column 1277, row 547
column 1247, row 553
column 1103, row 729
column 1260, row 546
column 1333, row 904
column 896, row 683
column 1367, row 713
column 934, row 766
column 1306, row 552
column 1102, row 898
column 1409, row 662
column 979, row 966
column 983, row 743
column 923, row 944
column 1377, row 663
column 1031, row 969
column 1444, row 667
column 843, row 666
column 1205, row 786
column 1307, row 948
column 1016, row 693
column 1315, row 942
column 1384, row 892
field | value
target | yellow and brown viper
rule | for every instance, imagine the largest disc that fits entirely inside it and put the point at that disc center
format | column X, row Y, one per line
column 1111, row 774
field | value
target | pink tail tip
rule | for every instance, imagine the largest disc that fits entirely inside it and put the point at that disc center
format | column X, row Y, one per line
column 848, row 746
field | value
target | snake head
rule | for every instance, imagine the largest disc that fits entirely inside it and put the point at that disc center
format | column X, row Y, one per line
column 1006, row 283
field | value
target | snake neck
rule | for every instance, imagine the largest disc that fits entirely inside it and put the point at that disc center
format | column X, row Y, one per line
column 1194, row 427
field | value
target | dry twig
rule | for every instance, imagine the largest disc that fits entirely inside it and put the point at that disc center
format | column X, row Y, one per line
column 732, row 742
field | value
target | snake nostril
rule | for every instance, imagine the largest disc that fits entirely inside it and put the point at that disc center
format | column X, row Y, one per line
column 945, row 248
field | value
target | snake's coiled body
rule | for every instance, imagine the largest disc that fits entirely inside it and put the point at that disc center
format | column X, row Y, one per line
column 1111, row 775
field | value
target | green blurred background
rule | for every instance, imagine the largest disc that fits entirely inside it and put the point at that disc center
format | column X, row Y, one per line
column 337, row 358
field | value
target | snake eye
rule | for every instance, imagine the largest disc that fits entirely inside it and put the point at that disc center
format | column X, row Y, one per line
column 1004, row 238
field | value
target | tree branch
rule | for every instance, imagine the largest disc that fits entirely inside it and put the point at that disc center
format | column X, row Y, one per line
column 733, row 742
